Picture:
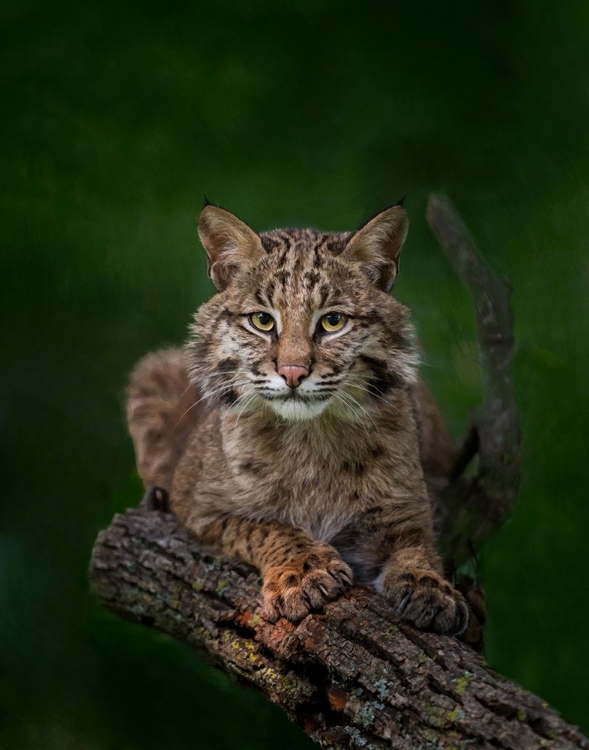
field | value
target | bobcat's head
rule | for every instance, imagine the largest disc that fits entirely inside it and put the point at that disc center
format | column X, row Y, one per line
column 302, row 322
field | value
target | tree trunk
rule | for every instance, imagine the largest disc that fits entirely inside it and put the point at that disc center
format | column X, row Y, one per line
column 353, row 677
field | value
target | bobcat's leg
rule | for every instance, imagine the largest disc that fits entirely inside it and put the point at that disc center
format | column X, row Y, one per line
column 394, row 551
column 412, row 580
column 300, row 573
column 161, row 413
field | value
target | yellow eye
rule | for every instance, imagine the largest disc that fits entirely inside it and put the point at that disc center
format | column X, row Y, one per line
column 262, row 321
column 333, row 322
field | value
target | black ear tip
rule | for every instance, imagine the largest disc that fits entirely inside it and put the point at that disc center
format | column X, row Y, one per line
column 206, row 201
column 400, row 202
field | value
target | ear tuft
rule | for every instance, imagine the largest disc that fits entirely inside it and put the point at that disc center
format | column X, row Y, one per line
column 229, row 243
column 377, row 245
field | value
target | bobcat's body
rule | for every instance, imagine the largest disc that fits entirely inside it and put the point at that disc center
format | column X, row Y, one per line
column 292, row 431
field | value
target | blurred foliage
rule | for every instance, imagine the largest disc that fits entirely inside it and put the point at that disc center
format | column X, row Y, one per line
column 313, row 112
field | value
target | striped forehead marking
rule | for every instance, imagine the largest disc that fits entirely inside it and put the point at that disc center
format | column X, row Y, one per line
column 299, row 256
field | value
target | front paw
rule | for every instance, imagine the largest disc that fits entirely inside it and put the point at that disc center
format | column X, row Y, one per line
column 426, row 600
column 305, row 583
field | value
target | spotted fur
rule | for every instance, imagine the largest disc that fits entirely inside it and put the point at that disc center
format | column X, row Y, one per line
column 320, row 483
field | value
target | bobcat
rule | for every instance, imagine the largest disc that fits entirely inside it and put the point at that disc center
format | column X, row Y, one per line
column 292, row 430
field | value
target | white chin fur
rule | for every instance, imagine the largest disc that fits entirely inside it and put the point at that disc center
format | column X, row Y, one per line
column 298, row 411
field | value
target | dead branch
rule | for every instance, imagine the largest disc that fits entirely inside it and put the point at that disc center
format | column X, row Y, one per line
column 473, row 508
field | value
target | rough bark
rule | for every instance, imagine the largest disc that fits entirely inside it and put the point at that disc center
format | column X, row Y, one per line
column 353, row 677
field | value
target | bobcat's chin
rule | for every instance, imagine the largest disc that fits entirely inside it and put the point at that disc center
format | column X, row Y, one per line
column 298, row 409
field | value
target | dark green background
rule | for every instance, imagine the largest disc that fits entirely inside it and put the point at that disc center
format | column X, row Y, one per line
column 314, row 112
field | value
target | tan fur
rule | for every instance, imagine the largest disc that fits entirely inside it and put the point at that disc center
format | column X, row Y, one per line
column 318, row 484
column 161, row 414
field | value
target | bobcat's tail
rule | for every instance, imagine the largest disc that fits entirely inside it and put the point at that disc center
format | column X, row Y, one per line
column 161, row 413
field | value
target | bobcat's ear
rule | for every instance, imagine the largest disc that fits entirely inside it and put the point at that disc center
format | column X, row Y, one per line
column 229, row 243
column 377, row 245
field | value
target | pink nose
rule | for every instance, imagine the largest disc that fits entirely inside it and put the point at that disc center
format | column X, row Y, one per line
column 293, row 374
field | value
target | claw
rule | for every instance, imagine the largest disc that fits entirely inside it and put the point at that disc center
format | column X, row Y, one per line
column 299, row 588
column 427, row 601
column 402, row 605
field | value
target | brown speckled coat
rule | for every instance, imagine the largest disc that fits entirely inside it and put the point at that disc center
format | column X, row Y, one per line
column 293, row 431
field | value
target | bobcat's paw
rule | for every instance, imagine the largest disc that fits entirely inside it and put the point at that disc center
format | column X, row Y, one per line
column 426, row 600
column 305, row 583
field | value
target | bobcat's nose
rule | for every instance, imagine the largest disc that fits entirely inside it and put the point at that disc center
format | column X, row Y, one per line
column 293, row 374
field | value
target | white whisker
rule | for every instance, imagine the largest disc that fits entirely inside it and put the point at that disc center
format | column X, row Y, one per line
column 249, row 397
column 351, row 404
column 214, row 392
column 374, row 395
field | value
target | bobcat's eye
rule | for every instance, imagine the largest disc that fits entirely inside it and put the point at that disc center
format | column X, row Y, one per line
column 333, row 322
column 262, row 321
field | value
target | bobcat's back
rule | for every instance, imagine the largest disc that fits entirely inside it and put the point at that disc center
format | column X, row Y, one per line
column 163, row 407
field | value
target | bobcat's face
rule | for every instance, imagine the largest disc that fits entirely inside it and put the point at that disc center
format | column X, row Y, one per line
column 301, row 328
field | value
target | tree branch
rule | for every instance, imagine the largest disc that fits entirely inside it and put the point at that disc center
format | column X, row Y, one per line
column 353, row 677
column 473, row 508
